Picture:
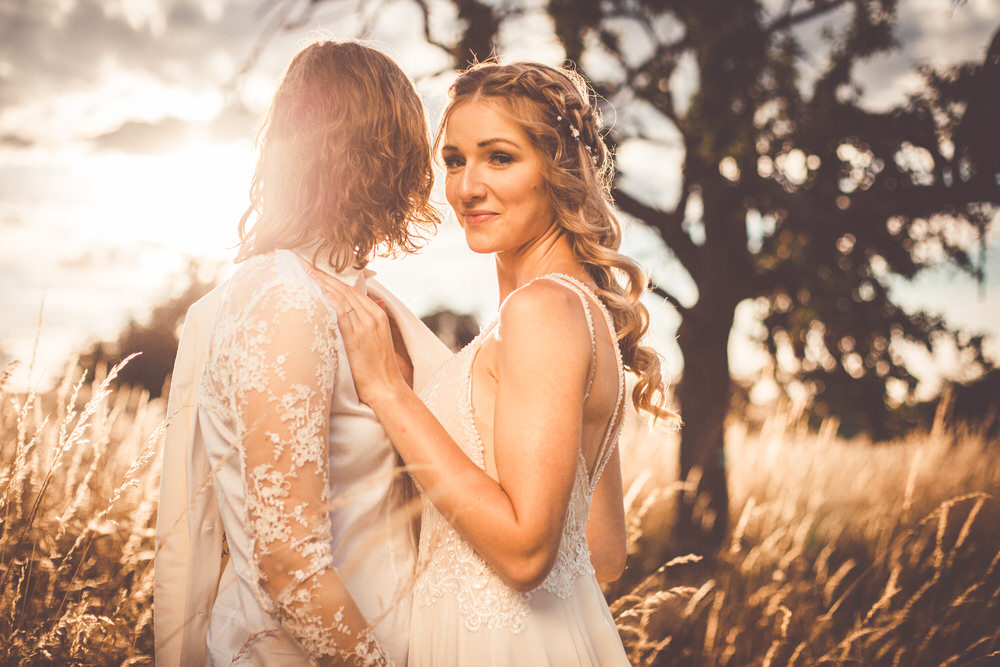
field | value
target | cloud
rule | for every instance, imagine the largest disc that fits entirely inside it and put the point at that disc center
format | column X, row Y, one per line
column 73, row 69
column 141, row 137
column 11, row 140
column 97, row 258
column 170, row 133
column 49, row 47
column 10, row 216
column 930, row 33
column 92, row 63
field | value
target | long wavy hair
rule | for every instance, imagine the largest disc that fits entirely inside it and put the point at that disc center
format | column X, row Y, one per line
column 344, row 160
column 557, row 109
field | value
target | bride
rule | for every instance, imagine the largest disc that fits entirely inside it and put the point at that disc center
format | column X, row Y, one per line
column 272, row 446
column 516, row 448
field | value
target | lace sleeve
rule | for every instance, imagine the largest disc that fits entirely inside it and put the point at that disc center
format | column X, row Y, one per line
column 283, row 400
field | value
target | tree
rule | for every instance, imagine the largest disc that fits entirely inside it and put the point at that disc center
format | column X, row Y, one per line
column 455, row 330
column 156, row 340
column 794, row 196
column 810, row 204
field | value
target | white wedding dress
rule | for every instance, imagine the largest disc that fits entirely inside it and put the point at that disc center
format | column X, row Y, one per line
column 463, row 613
column 302, row 473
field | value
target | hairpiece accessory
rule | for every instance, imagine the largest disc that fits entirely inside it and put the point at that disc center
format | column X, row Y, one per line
column 573, row 130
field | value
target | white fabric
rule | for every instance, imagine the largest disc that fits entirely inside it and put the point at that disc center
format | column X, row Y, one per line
column 463, row 612
column 203, row 488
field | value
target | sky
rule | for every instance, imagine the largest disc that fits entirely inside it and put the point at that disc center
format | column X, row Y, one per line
column 126, row 131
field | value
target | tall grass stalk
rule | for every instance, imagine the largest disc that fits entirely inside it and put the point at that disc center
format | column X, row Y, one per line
column 78, row 505
column 841, row 553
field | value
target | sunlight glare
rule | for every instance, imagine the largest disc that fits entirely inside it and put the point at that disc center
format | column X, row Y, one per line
column 189, row 200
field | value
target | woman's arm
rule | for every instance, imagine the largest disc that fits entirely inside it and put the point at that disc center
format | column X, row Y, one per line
column 542, row 359
column 287, row 368
column 606, row 524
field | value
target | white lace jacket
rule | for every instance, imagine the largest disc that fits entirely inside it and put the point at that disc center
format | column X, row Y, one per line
column 189, row 558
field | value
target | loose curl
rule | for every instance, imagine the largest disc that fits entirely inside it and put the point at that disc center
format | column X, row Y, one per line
column 344, row 160
column 557, row 110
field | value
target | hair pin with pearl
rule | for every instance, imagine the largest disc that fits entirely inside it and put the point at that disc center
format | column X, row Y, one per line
column 573, row 130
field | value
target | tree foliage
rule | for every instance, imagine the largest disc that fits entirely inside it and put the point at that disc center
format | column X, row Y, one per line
column 155, row 339
column 811, row 204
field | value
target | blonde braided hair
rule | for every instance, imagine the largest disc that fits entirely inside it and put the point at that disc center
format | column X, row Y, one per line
column 557, row 109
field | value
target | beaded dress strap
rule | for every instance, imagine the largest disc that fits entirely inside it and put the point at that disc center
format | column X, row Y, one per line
column 611, row 432
column 590, row 325
column 559, row 277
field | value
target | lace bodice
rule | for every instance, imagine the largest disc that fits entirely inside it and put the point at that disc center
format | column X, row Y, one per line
column 449, row 565
column 268, row 387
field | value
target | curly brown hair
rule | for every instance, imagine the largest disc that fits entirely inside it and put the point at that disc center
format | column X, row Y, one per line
column 557, row 109
column 344, row 160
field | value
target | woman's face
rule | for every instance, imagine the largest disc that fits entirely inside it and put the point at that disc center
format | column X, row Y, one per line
column 494, row 178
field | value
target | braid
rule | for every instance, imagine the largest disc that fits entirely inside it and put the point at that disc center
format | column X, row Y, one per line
column 557, row 109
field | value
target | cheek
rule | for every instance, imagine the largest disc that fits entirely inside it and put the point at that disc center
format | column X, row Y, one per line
column 449, row 191
column 539, row 194
column 526, row 189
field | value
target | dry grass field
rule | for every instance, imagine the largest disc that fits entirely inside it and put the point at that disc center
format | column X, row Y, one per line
column 842, row 553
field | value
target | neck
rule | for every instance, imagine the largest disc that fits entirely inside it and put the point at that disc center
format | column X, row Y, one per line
column 550, row 253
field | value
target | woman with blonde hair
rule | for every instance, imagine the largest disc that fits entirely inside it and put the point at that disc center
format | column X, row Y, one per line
column 516, row 448
column 277, row 452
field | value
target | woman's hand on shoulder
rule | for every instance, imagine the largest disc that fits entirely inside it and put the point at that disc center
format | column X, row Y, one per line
column 367, row 335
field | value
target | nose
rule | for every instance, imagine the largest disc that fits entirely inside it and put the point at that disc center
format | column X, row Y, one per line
column 470, row 183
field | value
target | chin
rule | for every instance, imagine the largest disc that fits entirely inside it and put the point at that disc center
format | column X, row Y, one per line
column 479, row 246
column 481, row 250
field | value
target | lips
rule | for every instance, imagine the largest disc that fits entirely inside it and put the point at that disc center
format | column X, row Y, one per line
column 477, row 217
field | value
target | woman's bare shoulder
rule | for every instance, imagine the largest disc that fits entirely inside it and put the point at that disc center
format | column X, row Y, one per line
column 546, row 313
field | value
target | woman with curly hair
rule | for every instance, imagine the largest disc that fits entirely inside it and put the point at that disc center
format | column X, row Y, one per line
column 272, row 450
column 516, row 447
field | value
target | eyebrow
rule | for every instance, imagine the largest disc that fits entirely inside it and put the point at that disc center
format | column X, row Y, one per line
column 484, row 143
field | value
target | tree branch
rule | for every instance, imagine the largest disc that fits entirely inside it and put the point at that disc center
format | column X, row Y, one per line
column 281, row 13
column 790, row 19
column 425, row 10
column 668, row 297
column 921, row 201
column 667, row 223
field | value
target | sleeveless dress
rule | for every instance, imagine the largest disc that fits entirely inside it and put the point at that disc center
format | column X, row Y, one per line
column 463, row 613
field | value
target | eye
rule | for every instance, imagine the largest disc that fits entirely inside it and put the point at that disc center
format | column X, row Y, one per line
column 452, row 161
column 500, row 158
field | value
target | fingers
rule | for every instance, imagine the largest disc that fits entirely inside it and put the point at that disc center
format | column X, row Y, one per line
column 349, row 303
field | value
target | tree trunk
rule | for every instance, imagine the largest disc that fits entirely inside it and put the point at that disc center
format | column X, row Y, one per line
column 478, row 41
column 703, row 394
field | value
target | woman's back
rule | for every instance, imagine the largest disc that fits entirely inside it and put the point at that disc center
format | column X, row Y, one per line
column 273, row 322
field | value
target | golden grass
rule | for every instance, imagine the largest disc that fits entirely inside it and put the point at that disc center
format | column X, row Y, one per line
column 842, row 553
column 77, row 502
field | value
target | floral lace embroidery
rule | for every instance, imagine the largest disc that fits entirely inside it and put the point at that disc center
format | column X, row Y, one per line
column 270, row 372
column 368, row 652
column 447, row 563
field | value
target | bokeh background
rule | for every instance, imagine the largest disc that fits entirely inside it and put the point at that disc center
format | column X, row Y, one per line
column 811, row 184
